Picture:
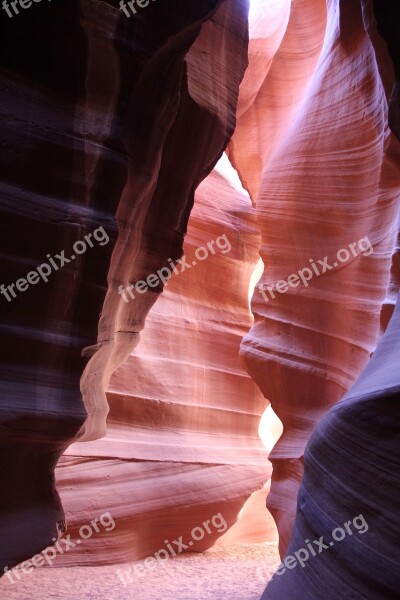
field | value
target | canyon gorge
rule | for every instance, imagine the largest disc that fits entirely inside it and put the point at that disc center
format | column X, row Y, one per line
column 200, row 275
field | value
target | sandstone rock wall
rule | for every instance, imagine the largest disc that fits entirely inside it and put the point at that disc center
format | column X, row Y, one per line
column 102, row 128
column 316, row 153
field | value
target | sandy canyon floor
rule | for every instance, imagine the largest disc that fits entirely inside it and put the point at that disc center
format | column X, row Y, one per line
column 237, row 572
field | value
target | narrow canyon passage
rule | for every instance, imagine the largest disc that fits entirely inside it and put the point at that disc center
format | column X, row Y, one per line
column 200, row 271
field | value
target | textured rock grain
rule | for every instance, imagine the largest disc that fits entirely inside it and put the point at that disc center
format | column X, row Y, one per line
column 99, row 129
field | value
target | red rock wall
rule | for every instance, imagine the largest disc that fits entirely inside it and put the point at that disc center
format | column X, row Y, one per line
column 327, row 178
column 123, row 142
column 182, row 439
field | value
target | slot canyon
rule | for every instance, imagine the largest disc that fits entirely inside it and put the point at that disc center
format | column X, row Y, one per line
column 200, row 261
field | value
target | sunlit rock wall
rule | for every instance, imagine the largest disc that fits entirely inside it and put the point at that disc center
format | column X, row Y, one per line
column 182, row 441
column 316, row 154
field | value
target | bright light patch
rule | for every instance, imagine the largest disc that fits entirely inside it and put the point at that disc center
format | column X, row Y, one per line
column 255, row 278
column 264, row 15
column 224, row 168
column 270, row 428
column 257, row 4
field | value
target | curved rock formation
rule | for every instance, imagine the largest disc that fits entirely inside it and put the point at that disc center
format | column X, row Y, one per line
column 108, row 131
column 351, row 465
column 185, row 383
column 327, row 178
column 353, row 451
column 107, row 139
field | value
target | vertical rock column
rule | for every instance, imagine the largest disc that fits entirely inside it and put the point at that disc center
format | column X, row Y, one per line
column 330, row 181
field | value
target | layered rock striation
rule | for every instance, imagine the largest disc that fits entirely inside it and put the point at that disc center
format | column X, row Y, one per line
column 105, row 125
column 326, row 188
column 182, row 441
